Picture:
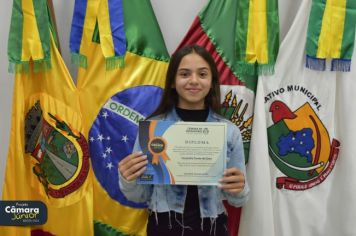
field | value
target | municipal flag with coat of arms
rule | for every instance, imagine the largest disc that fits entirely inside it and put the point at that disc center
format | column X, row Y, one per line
column 48, row 158
column 298, row 160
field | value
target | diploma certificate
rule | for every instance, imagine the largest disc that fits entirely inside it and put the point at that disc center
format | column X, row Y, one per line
column 187, row 153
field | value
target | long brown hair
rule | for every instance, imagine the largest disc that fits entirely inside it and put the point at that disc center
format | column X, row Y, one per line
column 170, row 96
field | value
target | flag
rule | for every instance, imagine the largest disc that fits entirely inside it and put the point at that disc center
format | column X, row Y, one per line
column 331, row 34
column 48, row 158
column 29, row 37
column 114, row 101
column 106, row 15
column 257, row 40
column 215, row 28
column 297, row 165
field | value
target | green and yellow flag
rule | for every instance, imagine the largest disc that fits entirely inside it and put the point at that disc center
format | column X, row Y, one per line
column 114, row 101
column 257, row 38
column 48, row 151
column 29, row 37
column 331, row 34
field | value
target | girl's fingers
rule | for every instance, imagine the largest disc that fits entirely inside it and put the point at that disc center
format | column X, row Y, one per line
column 231, row 186
column 134, row 168
column 233, row 181
column 131, row 160
column 232, row 171
column 131, row 166
column 233, row 190
column 130, row 157
column 136, row 174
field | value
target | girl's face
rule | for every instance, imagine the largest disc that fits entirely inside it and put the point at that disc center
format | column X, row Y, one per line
column 193, row 82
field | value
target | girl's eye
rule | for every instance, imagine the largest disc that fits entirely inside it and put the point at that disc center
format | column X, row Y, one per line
column 203, row 74
column 183, row 74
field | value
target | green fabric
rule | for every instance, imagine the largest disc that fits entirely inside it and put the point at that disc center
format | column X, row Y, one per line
column 314, row 27
column 42, row 65
column 113, row 63
column 21, row 67
column 250, row 81
column 272, row 32
column 52, row 27
column 349, row 30
column 218, row 21
column 101, row 229
column 225, row 25
column 242, row 28
column 272, row 21
column 42, row 19
column 142, row 30
column 14, row 46
column 223, row 19
column 96, row 34
column 45, row 26
column 79, row 60
column 266, row 69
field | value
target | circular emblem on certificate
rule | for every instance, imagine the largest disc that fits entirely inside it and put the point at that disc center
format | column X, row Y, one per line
column 157, row 145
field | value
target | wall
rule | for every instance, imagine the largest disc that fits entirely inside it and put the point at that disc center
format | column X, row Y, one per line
column 174, row 17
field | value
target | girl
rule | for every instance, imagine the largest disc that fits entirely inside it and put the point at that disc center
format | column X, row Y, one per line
column 191, row 93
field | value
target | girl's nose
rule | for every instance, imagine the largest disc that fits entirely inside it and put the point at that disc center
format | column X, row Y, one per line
column 194, row 78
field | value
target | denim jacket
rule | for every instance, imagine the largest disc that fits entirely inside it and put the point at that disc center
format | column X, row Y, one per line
column 165, row 198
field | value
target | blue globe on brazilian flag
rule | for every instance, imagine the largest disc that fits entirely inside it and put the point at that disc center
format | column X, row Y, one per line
column 113, row 134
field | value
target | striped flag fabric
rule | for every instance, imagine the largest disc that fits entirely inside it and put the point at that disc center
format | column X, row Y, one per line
column 257, row 36
column 216, row 29
column 29, row 37
column 331, row 34
column 114, row 101
column 109, row 17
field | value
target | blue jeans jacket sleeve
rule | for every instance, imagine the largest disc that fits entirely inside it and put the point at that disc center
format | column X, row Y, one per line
column 135, row 192
column 236, row 158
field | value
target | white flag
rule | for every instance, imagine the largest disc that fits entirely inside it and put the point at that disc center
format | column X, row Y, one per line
column 300, row 183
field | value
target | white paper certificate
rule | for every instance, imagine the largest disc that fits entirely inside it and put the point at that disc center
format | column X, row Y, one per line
column 189, row 153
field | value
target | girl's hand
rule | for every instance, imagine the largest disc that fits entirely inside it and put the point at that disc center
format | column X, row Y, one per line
column 233, row 181
column 133, row 166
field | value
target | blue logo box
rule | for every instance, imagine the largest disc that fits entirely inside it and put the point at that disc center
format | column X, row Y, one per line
column 22, row 213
